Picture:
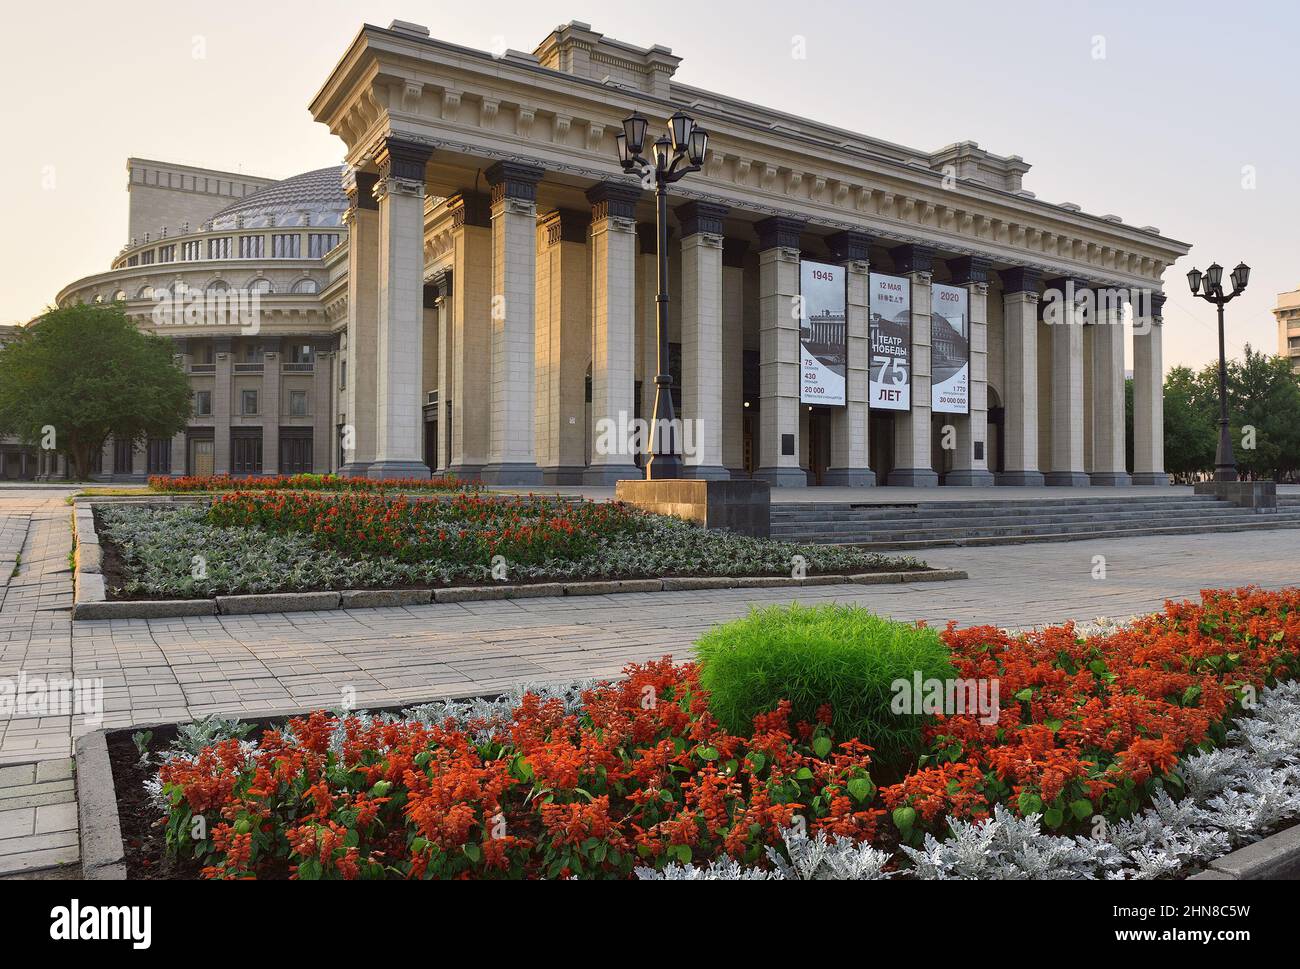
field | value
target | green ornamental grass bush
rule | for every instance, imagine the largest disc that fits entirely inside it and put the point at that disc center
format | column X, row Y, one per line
column 839, row 655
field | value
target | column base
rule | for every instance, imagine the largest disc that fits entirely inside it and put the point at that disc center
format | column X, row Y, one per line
column 398, row 469
column 1067, row 479
column 1110, row 479
column 511, row 473
column 912, row 478
column 1151, row 478
column 570, row 474
column 1020, row 479
column 783, row 477
column 706, row 472
column 354, row 469
column 969, row 478
column 604, row 475
column 849, row 478
column 466, row 472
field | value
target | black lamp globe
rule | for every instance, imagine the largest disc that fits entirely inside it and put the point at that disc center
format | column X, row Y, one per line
column 699, row 146
column 624, row 156
column 1194, row 280
column 1240, row 276
column 1214, row 277
column 634, row 129
column 680, row 125
column 663, row 152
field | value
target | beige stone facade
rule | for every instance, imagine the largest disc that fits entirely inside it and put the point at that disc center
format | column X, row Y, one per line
column 488, row 308
column 1288, row 327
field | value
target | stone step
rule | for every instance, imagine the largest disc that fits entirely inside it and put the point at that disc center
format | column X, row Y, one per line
column 955, row 522
column 956, row 503
column 1256, row 523
column 1048, row 528
column 983, row 514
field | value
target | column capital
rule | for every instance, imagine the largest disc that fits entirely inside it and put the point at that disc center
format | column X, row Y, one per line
column 512, row 180
column 613, row 200
column 1066, row 282
column 733, row 253
column 1020, row 279
column 697, row 217
column 565, row 225
column 360, row 189
column 781, row 232
column 403, row 159
column 470, row 208
column 969, row 269
column 1158, row 308
column 441, row 283
column 849, row 246
column 912, row 258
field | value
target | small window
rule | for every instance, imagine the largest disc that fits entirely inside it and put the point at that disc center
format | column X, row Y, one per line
column 302, row 353
column 146, row 258
column 248, row 398
column 203, row 403
column 166, row 253
column 219, row 248
column 191, row 251
column 261, row 285
column 297, row 403
column 343, row 375
column 319, row 243
column 286, row 246
column 252, row 247
column 306, row 287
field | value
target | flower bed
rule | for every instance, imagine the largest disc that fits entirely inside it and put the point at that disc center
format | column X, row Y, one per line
column 306, row 482
column 297, row 541
column 639, row 775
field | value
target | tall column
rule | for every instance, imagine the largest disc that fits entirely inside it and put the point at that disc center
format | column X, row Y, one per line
column 1020, row 408
column 446, row 367
column 613, row 329
column 1149, row 396
column 1109, row 457
column 399, row 427
column 733, row 356
column 970, row 465
column 1066, row 329
column 322, row 404
column 358, row 405
column 469, row 426
column 850, row 462
column 271, row 405
column 778, row 348
column 222, row 387
column 912, row 456
column 511, row 457
column 701, row 316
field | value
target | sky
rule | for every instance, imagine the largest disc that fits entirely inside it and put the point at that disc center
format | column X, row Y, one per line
column 1180, row 115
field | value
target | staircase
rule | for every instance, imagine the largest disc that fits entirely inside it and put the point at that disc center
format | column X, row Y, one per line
column 929, row 524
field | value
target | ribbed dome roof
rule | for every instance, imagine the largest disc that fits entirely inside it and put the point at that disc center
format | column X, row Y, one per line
column 319, row 194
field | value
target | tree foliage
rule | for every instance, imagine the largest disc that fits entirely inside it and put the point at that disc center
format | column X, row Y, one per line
column 78, row 374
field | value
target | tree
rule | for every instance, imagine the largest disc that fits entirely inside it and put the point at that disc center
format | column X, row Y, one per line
column 1264, row 413
column 1191, row 422
column 78, row 374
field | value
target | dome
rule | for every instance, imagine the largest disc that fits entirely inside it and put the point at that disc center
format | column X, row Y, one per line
column 318, row 194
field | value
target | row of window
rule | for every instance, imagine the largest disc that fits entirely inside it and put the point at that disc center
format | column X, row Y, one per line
column 259, row 284
column 283, row 246
column 248, row 403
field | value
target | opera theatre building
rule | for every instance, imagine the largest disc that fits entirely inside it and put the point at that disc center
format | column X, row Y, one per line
column 474, row 292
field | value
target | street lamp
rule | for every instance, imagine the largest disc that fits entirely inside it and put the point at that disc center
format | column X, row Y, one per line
column 674, row 157
column 1209, row 287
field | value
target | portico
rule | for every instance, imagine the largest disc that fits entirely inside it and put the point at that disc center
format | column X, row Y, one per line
column 509, row 299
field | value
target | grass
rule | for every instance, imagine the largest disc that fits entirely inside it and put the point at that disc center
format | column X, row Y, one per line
column 839, row 655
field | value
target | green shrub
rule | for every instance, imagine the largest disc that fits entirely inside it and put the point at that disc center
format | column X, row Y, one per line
column 843, row 656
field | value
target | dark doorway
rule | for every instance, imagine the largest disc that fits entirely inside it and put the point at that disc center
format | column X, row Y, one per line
column 881, row 440
column 819, row 444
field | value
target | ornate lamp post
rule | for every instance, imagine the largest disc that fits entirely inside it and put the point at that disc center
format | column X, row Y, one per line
column 674, row 157
column 1209, row 287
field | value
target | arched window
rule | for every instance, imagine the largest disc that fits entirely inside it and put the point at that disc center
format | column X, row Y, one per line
column 146, row 292
column 119, row 296
column 261, row 285
column 218, row 286
column 306, row 286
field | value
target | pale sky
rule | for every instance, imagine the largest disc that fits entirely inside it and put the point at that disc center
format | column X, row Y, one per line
column 1189, row 100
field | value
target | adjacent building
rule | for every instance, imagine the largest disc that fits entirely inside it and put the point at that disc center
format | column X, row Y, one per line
column 1288, row 327
column 473, row 291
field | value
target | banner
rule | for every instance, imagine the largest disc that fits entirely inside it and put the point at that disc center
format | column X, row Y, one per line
column 891, row 342
column 949, row 349
column 823, row 334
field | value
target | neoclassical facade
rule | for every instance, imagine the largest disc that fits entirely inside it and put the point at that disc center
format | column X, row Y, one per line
column 488, row 303
column 1287, row 313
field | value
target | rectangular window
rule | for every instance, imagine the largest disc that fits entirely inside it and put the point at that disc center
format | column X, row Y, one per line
column 219, row 248
column 319, row 243
column 286, row 246
column 252, row 247
column 302, row 353
column 123, row 456
column 133, row 260
column 146, row 258
column 192, row 251
column 160, row 455
column 248, row 398
column 297, row 403
column 343, row 375
column 203, row 403
column 246, row 453
column 166, row 253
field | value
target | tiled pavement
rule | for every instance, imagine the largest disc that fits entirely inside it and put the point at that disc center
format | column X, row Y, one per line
column 176, row 669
